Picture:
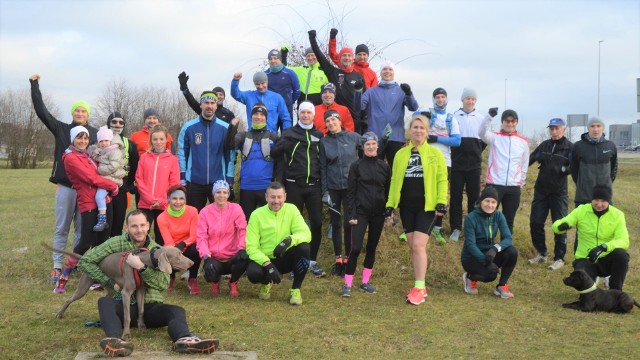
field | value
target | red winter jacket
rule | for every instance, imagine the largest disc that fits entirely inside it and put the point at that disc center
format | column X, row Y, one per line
column 82, row 171
column 362, row 67
column 156, row 174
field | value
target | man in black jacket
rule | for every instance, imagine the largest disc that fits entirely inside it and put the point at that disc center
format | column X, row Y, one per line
column 66, row 207
column 550, row 192
column 345, row 78
column 300, row 147
column 222, row 112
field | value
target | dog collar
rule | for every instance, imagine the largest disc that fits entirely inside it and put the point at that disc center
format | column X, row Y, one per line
column 592, row 288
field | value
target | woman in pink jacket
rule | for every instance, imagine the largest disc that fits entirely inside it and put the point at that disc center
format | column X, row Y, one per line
column 178, row 225
column 158, row 170
column 220, row 240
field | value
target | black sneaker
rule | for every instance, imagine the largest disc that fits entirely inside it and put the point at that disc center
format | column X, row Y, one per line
column 367, row 288
column 195, row 345
column 114, row 347
column 337, row 269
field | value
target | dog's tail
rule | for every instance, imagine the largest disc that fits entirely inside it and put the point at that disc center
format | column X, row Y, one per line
column 68, row 253
column 636, row 303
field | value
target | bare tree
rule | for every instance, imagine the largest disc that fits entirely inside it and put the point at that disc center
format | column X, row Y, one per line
column 24, row 138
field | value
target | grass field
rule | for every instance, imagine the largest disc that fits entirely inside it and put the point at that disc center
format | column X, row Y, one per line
column 450, row 324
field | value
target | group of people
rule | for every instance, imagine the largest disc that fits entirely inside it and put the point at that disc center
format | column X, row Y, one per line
column 349, row 150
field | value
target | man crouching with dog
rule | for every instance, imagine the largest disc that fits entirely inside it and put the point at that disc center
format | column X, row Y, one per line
column 604, row 239
column 156, row 313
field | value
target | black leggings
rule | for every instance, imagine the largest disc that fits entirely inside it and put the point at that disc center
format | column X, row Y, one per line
column 251, row 200
column 505, row 259
column 615, row 264
column 509, row 199
column 310, row 196
column 296, row 259
column 155, row 315
column 375, row 224
column 390, row 151
column 197, row 195
column 192, row 254
column 88, row 237
column 339, row 223
column 233, row 266
column 119, row 204
column 152, row 216
column 458, row 180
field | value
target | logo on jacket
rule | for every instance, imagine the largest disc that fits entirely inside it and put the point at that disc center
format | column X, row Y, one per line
column 198, row 138
column 605, row 151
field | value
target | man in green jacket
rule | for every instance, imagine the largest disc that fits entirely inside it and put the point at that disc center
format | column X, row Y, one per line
column 604, row 239
column 277, row 242
column 311, row 76
column 156, row 313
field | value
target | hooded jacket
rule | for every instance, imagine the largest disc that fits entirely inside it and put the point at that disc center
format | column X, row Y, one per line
column 337, row 153
column 221, row 231
column 83, row 175
column 554, row 157
column 610, row 228
column 593, row 163
column 480, row 230
column 110, row 160
column 157, row 172
column 384, row 105
column 61, row 134
column 368, row 187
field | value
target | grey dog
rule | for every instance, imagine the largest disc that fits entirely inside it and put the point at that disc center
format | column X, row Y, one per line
column 594, row 299
column 116, row 268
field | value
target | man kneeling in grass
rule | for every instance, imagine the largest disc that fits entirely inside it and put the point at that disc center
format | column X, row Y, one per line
column 277, row 242
column 156, row 313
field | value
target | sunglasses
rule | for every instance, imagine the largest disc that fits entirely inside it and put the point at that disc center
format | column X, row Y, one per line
column 117, row 122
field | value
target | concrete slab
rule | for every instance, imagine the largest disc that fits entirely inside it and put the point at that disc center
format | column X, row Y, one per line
column 164, row 355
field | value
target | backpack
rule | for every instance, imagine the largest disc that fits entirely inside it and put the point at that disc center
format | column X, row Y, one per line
column 265, row 147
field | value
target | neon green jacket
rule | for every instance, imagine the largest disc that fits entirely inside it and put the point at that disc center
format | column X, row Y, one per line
column 434, row 168
column 610, row 229
column 267, row 228
column 316, row 79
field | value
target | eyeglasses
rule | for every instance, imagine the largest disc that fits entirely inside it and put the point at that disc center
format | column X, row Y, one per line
column 117, row 122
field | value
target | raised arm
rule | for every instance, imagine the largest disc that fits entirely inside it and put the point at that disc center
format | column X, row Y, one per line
column 193, row 103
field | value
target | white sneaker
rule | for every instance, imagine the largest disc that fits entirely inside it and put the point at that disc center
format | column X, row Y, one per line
column 556, row 264
column 185, row 275
column 455, row 235
column 538, row 259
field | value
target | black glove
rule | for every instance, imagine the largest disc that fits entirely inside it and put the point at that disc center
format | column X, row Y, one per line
column 241, row 255
column 427, row 114
column 595, row 253
column 332, row 33
column 312, row 33
column 441, row 208
column 493, row 111
column 273, row 274
column 209, row 269
column 183, row 78
column 564, row 226
column 388, row 212
column 133, row 189
column 181, row 246
column 406, row 88
column 432, row 139
column 232, row 194
column 359, row 85
column 281, row 248
column 490, row 255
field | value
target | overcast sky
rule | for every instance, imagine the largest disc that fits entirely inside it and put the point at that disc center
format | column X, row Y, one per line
column 545, row 53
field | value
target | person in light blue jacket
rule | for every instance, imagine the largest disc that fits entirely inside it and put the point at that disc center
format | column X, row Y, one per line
column 384, row 105
column 276, row 107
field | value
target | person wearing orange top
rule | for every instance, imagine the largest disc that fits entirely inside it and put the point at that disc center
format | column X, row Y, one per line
column 141, row 137
column 158, row 170
column 361, row 61
column 328, row 94
column 178, row 225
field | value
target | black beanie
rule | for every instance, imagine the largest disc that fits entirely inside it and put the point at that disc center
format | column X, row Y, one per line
column 362, row 48
column 218, row 89
column 602, row 192
column 509, row 113
column 439, row 91
column 331, row 113
column 115, row 114
column 488, row 192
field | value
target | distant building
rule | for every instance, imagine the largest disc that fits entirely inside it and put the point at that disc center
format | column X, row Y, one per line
column 635, row 133
column 620, row 134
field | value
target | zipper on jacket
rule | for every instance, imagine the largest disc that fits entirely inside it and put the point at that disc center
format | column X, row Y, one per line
column 306, row 133
column 208, row 136
column 155, row 170
column 506, row 179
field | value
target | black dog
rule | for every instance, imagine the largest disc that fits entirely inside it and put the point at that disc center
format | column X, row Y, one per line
column 594, row 299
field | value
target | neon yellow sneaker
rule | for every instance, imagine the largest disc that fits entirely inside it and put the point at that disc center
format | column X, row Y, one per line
column 296, row 297
column 437, row 232
column 265, row 292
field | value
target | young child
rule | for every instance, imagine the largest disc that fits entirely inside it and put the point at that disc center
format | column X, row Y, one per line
column 108, row 154
column 158, row 170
